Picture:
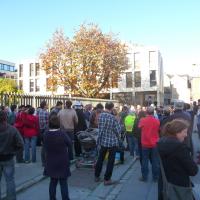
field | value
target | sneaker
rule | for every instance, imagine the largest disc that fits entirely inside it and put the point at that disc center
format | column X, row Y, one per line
column 109, row 182
column 27, row 161
column 142, row 179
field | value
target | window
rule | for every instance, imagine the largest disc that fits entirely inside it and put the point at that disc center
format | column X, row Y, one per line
column 152, row 59
column 37, row 69
column 137, row 78
column 12, row 68
column 31, row 69
column 129, row 83
column 137, row 64
column 20, row 70
column 37, row 86
column 152, row 78
column 31, row 85
column 20, row 85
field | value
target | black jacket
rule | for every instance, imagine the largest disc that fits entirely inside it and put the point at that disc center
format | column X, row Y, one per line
column 177, row 162
column 10, row 142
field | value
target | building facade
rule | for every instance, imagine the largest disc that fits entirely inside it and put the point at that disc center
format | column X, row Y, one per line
column 142, row 83
column 7, row 70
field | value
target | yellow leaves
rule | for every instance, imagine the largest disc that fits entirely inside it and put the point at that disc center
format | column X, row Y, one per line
column 85, row 63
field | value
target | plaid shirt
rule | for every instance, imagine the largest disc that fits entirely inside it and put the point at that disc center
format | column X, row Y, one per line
column 43, row 115
column 109, row 130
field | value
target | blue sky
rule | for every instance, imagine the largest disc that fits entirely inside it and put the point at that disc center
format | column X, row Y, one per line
column 172, row 25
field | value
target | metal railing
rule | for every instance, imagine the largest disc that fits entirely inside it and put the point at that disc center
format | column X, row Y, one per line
column 7, row 99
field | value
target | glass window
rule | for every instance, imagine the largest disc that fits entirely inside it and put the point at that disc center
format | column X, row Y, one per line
column 137, row 63
column 31, row 85
column 37, row 69
column 152, row 78
column 20, row 85
column 137, row 78
column 37, row 86
column 20, row 70
column 152, row 59
column 129, row 83
column 31, row 69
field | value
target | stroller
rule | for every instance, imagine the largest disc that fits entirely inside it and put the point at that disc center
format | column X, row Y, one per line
column 88, row 141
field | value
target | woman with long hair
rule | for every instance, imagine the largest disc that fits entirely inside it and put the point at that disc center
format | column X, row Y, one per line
column 175, row 156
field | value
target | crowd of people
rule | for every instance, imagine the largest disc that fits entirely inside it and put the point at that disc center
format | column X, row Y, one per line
column 151, row 135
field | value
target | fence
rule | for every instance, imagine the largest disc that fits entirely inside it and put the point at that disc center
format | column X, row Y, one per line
column 6, row 99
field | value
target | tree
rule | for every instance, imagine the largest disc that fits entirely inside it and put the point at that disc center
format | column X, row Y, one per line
column 86, row 65
column 7, row 85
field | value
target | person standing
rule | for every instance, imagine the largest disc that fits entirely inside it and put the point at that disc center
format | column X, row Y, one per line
column 175, row 155
column 68, row 120
column 31, row 131
column 57, row 147
column 43, row 116
column 56, row 109
column 81, row 126
column 12, row 115
column 149, row 138
column 108, row 141
column 10, row 143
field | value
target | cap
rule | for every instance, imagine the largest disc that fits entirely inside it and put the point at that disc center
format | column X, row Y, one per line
column 178, row 105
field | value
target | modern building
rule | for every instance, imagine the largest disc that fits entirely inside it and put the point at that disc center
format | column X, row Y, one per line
column 7, row 70
column 177, row 86
column 142, row 83
column 33, row 80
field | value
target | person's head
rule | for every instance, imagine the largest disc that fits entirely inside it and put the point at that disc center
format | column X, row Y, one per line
column 31, row 110
column 178, row 105
column 13, row 108
column 21, row 108
column 77, row 105
column 54, row 122
column 68, row 104
column 150, row 110
column 99, row 106
column 141, row 114
column 194, row 103
column 109, row 106
column 177, row 128
column 43, row 104
column 166, row 111
column 59, row 104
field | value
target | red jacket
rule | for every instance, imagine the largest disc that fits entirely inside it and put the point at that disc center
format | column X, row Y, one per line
column 149, row 131
column 31, row 125
column 19, row 122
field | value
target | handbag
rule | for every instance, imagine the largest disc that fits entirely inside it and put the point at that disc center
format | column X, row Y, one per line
column 174, row 192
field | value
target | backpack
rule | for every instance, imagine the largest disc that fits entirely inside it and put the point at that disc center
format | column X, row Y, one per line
column 129, row 122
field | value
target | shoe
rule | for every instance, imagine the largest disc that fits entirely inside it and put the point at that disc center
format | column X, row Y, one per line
column 109, row 182
column 21, row 161
column 27, row 161
column 97, row 179
column 142, row 179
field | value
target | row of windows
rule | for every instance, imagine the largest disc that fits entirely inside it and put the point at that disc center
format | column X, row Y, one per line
column 153, row 59
column 6, row 67
column 31, row 85
column 34, row 69
column 137, row 79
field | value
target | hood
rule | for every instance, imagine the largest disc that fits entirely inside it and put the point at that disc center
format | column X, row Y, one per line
column 168, row 145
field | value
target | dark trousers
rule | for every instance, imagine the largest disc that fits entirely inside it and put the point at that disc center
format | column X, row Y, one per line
column 77, row 146
column 43, row 157
column 110, row 163
column 63, row 187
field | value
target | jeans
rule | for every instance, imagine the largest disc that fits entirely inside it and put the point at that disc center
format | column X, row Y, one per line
column 110, row 163
column 150, row 153
column 63, row 187
column 8, row 170
column 30, row 142
column 133, row 144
